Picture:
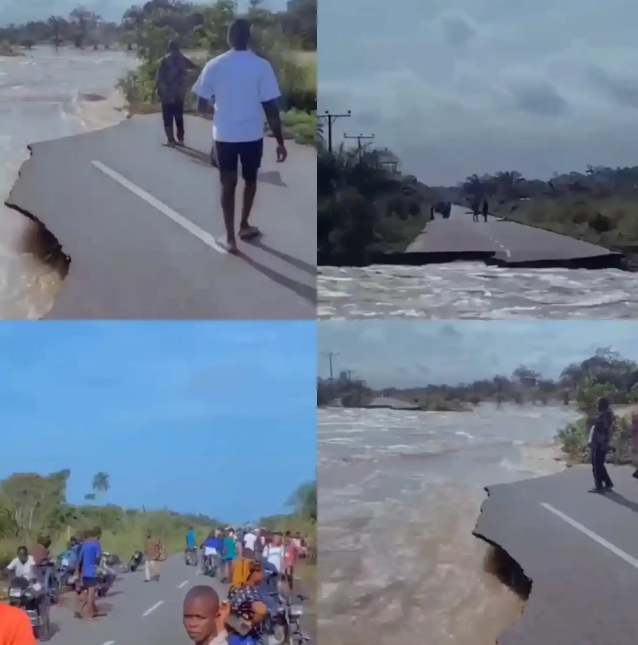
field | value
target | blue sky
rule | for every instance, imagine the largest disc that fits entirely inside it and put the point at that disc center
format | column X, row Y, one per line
column 407, row 353
column 11, row 11
column 215, row 418
column 463, row 86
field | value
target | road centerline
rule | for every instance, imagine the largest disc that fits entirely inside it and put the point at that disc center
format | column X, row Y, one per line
column 150, row 610
column 594, row 536
column 183, row 584
column 186, row 224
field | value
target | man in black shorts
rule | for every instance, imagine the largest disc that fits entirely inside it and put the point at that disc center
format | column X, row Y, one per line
column 239, row 87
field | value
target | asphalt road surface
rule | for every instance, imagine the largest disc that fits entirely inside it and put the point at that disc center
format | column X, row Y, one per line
column 579, row 549
column 510, row 241
column 143, row 613
column 141, row 224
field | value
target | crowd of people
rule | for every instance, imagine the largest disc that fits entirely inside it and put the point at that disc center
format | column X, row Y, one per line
column 259, row 565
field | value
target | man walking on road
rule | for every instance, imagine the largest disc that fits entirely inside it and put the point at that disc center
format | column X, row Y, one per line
column 242, row 87
column 154, row 553
column 171, row 86
column 486, row 210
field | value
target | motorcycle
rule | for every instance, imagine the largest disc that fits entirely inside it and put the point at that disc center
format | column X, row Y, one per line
column 105, row 576
column 34, row 603
column 190, row 557
column 65, row 568
column 284, row 625
column 211, row 565
column 51, row 582
column 135, row 562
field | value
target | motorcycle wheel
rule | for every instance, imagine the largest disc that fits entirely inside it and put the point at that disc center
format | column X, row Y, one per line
column 43, row 631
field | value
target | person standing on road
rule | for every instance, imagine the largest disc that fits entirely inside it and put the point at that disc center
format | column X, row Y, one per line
column 486, row 210
column 171, row 86
column 250, row 539
column 599, row 437
column 241, row 87
column 154, row 555
column 204, row 617
column 15, row 626
column 228, row 555
column 87, row 575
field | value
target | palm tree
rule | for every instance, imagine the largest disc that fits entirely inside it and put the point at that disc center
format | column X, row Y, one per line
column 101, row 482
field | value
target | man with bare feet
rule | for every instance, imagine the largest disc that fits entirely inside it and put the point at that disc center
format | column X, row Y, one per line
column 154, row 555
column 204, row 617
column 87, row 575
column 238, row 87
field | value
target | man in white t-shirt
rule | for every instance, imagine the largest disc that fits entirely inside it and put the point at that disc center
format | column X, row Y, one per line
column 24, row 566
column 241, row 87
column 249, row 541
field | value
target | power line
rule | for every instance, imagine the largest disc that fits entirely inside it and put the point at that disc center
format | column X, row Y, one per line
column 331, row 117
column 359, row 138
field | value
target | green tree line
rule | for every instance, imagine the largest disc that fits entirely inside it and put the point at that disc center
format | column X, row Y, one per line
column 579, row 383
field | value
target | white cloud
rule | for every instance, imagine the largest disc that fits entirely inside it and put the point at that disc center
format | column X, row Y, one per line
column 483, row 85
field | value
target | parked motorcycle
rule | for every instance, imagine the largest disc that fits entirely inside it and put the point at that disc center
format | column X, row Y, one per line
column 105, row 576
column 283, row 627
column 190, row 557
column 31, row 599
column 135, row 562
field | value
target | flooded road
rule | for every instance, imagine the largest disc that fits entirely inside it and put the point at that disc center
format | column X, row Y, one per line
column 399, row 494
column 45, row 95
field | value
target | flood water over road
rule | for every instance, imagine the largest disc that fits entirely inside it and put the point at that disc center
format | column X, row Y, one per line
column 399, row 494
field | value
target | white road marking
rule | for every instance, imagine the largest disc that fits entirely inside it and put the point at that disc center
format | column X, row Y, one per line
column 594, row 536
column 150, row 610
column 108, row 643
column 199, row 233
column 183, row 584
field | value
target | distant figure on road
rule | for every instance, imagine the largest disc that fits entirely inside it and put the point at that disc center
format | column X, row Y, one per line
column 486, row 210
column 204, row 617
column 242, row 86
column 154, row 555
column 599, row 437
column 476, row 208
column 172, row 85
column 634, row 441
column 431, row 213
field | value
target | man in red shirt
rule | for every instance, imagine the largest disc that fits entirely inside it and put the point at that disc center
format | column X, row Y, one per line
column 15, row 626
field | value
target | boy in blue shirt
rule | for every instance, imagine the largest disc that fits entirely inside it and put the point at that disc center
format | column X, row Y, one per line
column 88, row 560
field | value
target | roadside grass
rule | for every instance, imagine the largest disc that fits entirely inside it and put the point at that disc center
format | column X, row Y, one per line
column 608, row 220
column 307, row 573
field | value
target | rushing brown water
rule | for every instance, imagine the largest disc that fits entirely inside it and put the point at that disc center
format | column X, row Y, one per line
column 399, row 494
column 42, row 97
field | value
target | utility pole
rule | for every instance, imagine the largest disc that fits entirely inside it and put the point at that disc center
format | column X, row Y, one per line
column 330, row 119
column 330, row 356
column 359, row 138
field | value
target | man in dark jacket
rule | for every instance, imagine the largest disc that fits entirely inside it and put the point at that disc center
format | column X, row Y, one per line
column 171, row 86
column 599, row 437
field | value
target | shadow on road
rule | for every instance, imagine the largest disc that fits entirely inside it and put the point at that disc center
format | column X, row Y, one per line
column 296, row 262
column 307, row 292
column 621, row 501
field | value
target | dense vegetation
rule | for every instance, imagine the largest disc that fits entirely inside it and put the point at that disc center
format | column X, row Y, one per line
column 365, row 205
column 32, row 505
column 605, row 373
column 598, row 206
column 288, row 39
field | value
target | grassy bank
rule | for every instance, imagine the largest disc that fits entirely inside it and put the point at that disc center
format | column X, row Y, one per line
column 608, row 220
